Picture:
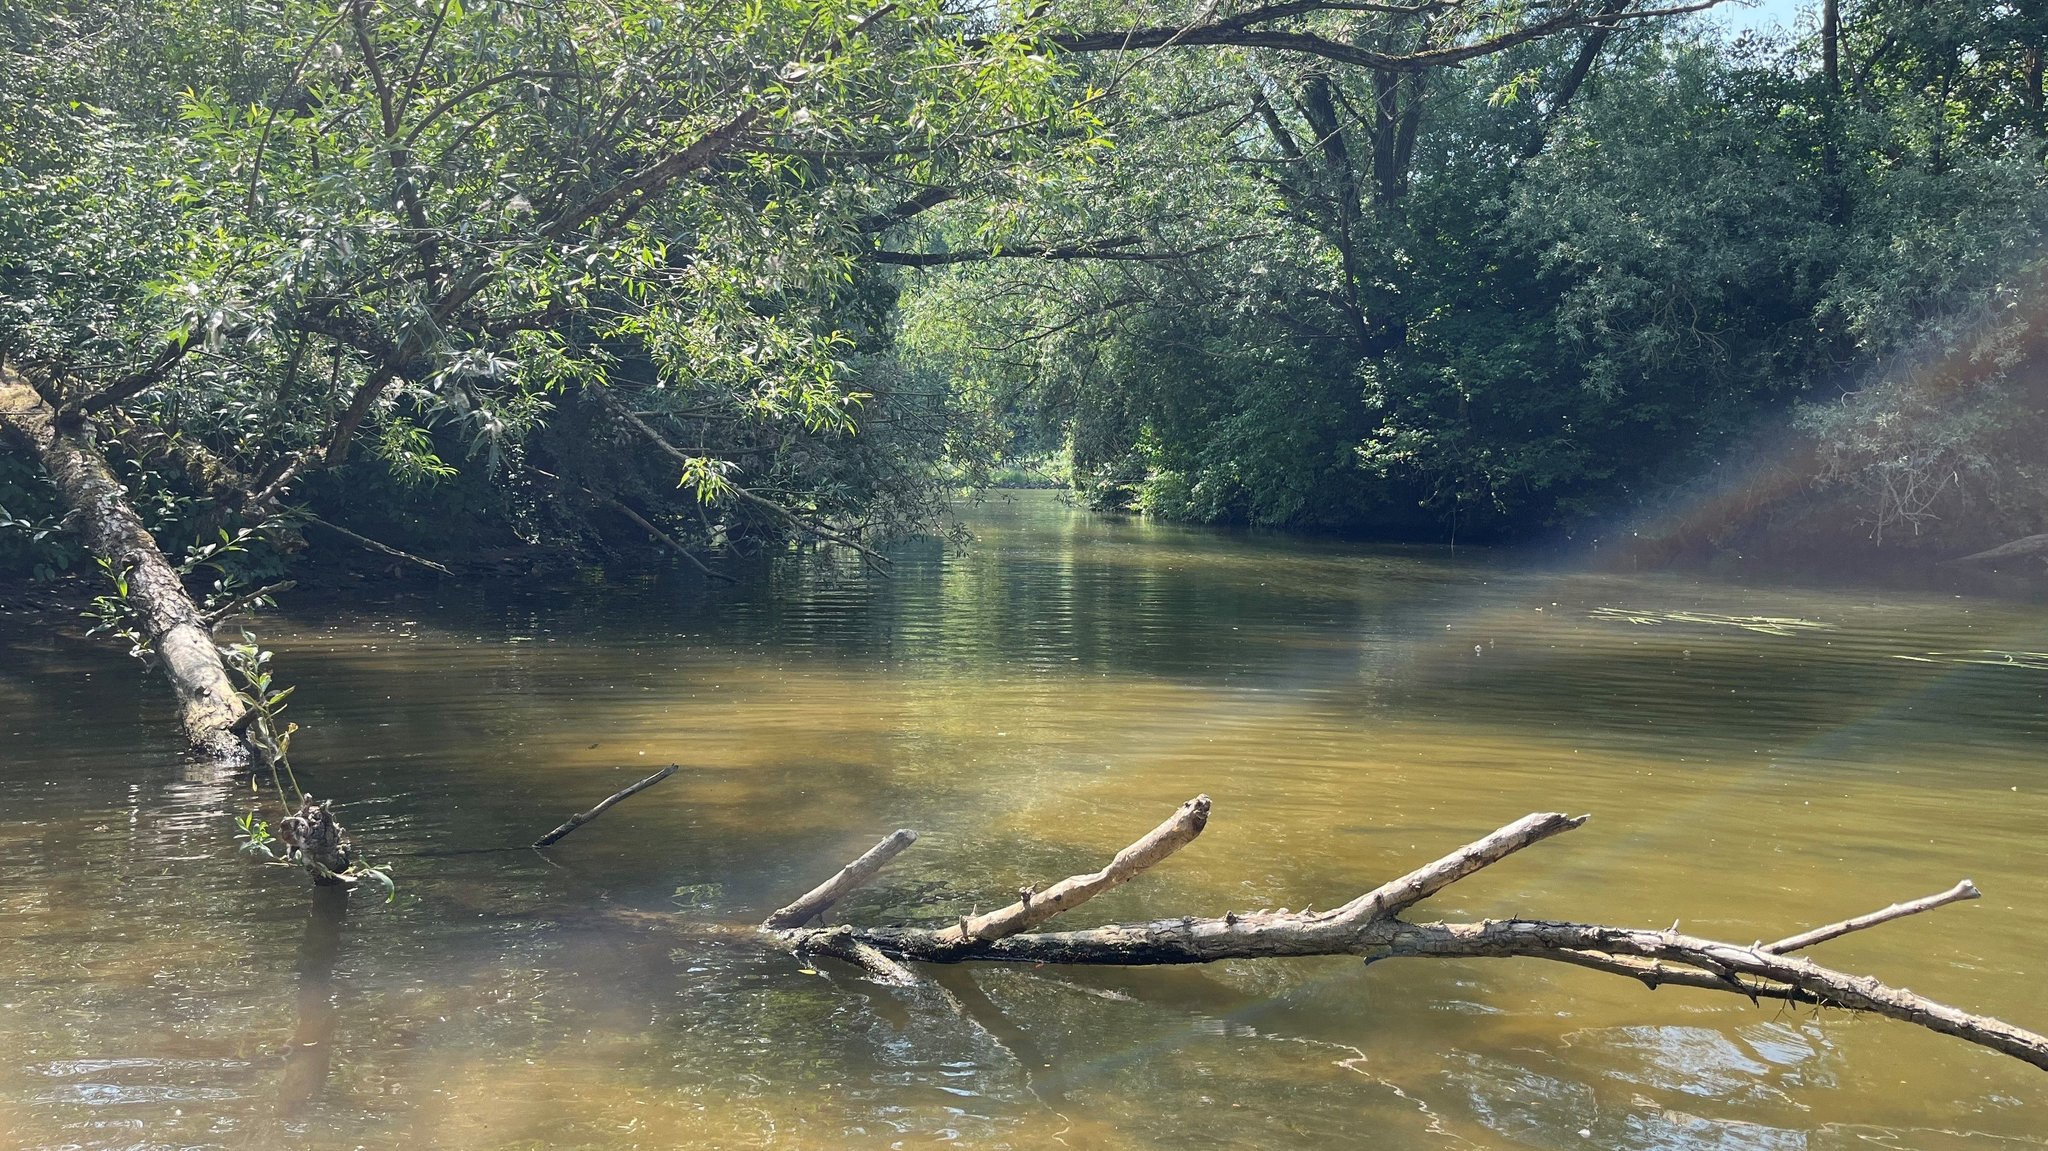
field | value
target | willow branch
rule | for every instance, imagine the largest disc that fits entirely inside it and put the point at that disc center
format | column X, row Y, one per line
column 383, row 548
column 802, row 523
column 673, row 544
column 136, row 382
column 1240, row 33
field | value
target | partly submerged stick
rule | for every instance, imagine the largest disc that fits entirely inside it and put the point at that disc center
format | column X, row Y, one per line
column 576, row 821
column 813, row 903
column 1371, row 926
column 1961, row 891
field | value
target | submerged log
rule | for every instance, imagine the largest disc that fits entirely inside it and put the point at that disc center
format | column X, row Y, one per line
column 209, row 709
column 1371, row 926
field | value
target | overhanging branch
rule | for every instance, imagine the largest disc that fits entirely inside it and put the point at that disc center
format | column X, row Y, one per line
column 1253, row 30
column 1117, row 249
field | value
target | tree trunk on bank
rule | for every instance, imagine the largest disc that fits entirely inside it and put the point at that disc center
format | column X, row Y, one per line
column 1371, row 926
column 209, row 710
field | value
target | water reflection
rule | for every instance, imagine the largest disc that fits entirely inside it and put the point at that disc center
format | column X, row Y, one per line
column 310, row 1054
column 1029, row 706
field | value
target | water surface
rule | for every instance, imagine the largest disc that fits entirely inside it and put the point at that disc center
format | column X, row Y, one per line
column 1029, row 705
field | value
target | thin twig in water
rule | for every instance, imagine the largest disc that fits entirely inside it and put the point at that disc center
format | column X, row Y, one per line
column 576, row 821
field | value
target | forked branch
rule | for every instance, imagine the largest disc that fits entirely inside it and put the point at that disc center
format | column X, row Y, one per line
column 1371, row 926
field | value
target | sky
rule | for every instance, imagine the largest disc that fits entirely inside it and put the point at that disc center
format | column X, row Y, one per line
column 1761, row 15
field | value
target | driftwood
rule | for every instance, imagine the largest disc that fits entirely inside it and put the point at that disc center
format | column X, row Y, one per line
column 617, row 797
column 1371, row 926
column 814, row 902
column 1031, row 909
column 1805, row 939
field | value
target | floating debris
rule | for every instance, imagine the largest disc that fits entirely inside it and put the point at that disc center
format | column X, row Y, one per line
column 1768, row 625
column 2036, row 660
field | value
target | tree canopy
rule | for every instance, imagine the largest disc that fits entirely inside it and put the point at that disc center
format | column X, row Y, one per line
column 606, row 276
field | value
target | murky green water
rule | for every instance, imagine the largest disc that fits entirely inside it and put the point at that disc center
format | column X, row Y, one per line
column 1030, row 706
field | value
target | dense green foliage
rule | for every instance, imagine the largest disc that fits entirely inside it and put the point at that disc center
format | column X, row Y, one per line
column 499, row 274
column 618, row 276
column 1501, row 301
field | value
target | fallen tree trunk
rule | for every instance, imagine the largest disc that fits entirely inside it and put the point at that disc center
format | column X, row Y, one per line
column 1371, row 926
column 209, row 709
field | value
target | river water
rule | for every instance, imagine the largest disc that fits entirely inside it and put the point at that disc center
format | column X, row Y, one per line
column 1757, row 759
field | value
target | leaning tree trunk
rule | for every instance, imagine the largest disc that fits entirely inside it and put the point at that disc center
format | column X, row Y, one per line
column 209, row 710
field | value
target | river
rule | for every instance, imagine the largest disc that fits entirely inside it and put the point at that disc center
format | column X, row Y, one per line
column 1757, row 759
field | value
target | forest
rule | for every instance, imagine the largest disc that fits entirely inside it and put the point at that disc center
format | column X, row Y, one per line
column 1434, row 272
column 325, row 313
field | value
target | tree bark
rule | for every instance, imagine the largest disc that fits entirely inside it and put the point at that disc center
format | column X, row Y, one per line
column 2033, row 94
column 819, row 899
column 1831, row 46
column 1371, row 926
column 209, row 709
column 1831, row 114
column 1032, row 909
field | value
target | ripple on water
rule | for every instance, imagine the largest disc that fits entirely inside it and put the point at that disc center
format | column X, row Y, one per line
column 1029, row 706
